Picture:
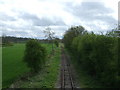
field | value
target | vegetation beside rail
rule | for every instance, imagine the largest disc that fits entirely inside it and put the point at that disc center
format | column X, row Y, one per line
column 96, row 54
column 13, row 66
column 47, row 77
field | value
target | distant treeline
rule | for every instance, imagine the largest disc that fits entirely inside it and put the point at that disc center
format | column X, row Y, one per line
column 6, row 39
column 12, row 39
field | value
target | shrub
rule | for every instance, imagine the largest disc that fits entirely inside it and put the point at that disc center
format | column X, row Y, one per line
column 35, row 55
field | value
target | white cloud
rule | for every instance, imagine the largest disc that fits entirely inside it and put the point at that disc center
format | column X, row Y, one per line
column 29, row 17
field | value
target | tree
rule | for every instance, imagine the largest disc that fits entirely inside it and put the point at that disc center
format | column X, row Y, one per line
column 50, row 35
column 34, row 55
column 71, row 34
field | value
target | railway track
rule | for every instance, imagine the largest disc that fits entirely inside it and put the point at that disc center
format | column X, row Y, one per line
column 66, row 75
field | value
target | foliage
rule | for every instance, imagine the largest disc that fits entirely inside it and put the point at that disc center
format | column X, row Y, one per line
column 7, row 39
column 47, row 77
column 12, row 60
column 98, row 55
column 72, row 33
column 35, row 55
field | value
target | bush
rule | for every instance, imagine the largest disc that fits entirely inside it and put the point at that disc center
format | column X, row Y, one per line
column 35, row 55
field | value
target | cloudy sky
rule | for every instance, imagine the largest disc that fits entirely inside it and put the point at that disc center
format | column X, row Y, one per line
column 28, row 18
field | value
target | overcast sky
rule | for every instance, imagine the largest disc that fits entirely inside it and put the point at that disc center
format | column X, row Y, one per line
column 28, row 18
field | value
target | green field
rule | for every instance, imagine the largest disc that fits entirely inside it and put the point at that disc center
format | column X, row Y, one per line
column 12, row 63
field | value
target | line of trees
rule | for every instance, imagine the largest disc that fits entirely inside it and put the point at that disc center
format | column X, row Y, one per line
column 7, row 39
column 10, row 40
column 96, row 54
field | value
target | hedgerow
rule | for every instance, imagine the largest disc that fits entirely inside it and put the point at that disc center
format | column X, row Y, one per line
column 98, row 55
